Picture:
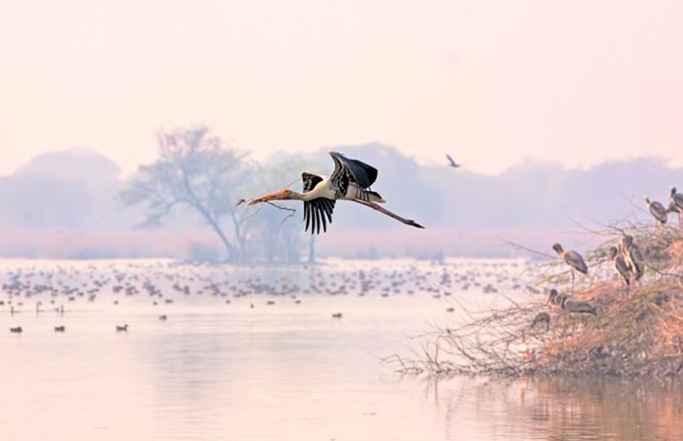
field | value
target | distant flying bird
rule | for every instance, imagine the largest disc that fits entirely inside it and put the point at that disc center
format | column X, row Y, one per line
column 657, row 210
column 350, row 181
column 451, row 161
column 573, row 259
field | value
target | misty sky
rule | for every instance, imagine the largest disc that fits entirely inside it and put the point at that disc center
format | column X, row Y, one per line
column 492, row 81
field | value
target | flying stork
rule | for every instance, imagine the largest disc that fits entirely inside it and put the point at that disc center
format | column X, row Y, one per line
column 573, row 259
column 350, row 181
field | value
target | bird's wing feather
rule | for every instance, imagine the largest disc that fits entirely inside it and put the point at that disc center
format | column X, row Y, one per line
column 575, row 260
column 317, row 213
column 310, row 181
column 659, row 212
column 359, row 172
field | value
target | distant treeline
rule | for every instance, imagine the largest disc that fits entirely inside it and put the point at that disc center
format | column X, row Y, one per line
column 67, row 204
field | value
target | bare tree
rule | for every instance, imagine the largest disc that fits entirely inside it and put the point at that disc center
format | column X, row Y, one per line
column 282, row 236
column 197, row 170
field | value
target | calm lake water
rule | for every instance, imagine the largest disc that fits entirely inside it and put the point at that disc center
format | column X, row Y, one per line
column 284, row 372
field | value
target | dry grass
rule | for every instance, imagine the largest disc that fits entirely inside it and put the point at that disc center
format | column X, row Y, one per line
column 637, row 332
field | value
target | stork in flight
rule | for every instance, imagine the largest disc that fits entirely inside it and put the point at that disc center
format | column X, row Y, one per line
column 350, row 181
column 451, row 161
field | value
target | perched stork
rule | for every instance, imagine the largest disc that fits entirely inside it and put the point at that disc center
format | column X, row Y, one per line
column 567, row 304
column 573, row 259
column 677, row 198
column 676, row 205
column 578, row 306
column 350, row 181
column 622, row 268
column 658, row 211
column 632, row 257
column 451, row 161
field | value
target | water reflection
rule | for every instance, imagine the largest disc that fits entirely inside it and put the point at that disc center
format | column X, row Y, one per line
column 558, row 409
column 287, row 372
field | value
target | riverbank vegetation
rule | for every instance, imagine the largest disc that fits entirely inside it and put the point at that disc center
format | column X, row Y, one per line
column 636, row 333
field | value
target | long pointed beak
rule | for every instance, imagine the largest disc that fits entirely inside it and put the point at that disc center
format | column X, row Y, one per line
column 275, row 196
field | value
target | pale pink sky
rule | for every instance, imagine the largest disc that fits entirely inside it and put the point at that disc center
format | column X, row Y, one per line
column 491, row 81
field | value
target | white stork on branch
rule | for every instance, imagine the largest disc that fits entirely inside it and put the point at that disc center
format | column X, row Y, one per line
column 350, row 181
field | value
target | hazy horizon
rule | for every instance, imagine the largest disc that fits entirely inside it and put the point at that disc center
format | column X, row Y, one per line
column 490, row 82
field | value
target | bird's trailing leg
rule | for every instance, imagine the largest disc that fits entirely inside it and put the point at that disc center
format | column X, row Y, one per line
column 386, row 212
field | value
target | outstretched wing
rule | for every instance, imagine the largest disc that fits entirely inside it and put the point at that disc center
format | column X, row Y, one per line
column 317, row 212
column 452, row 161
column 346, row 169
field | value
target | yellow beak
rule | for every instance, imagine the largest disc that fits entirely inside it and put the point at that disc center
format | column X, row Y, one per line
column 275, row 196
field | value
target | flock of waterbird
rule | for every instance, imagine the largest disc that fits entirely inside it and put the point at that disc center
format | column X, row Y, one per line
column 350, row 181
column 56, row 291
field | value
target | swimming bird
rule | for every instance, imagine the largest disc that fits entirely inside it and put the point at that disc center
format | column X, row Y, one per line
column 337, row 315
column 632, row 256
column 350, row 181
column 451, row 161
column 573, row 259
column 16, row 330
column 123, row 328
column 60, row 329
column 657, row 210
column 620, row 265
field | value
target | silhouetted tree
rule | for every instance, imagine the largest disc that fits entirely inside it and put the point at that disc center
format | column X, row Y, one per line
column 197, row 170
